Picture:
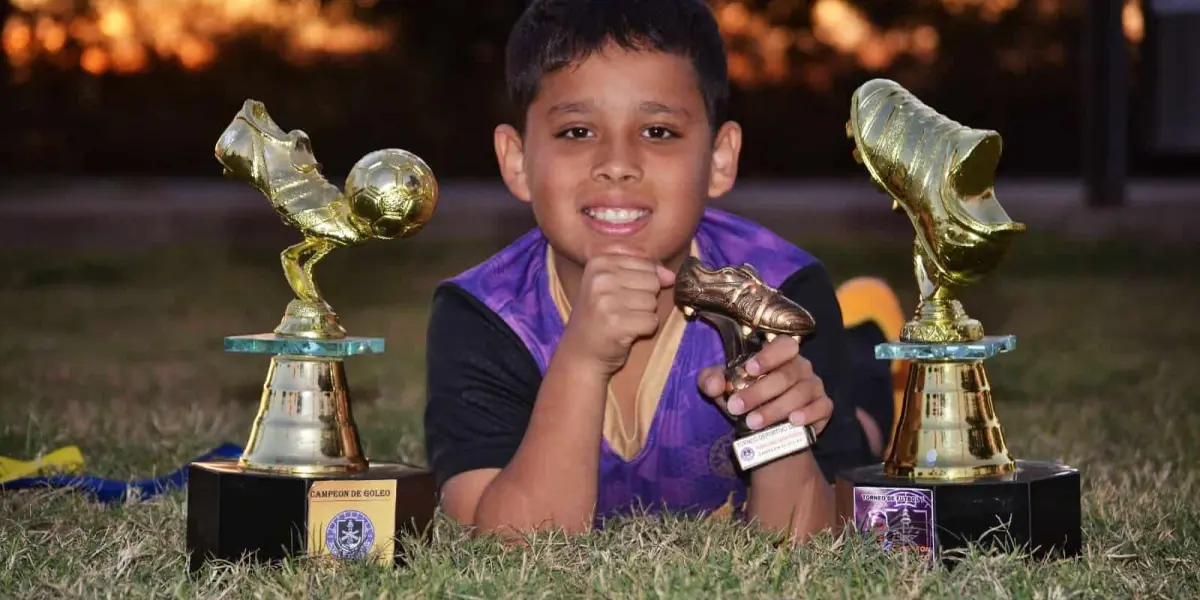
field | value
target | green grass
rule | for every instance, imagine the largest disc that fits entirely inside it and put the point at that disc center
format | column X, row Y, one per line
column 121, row 355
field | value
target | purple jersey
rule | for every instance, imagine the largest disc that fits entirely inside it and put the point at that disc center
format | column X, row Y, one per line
column 685, row 463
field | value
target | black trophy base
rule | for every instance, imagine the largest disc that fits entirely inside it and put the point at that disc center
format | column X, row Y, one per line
column 1036, row 510
column 235, row 514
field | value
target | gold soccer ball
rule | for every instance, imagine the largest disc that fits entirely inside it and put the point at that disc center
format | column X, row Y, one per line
column 393, row 192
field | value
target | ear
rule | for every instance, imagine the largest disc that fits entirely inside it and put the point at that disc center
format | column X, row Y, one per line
column 510, row 154
column 727, row 147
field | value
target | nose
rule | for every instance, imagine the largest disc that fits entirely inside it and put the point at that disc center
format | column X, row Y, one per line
column 617, row 161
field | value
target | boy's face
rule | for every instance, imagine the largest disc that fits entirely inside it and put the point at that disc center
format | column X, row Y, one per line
column 619, row 155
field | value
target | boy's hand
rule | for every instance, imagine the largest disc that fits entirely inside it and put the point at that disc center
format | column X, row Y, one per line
column 617, row 305
column 787, row 390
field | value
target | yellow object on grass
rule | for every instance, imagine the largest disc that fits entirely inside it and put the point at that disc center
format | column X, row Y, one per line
column 870, row 299
column 67, row 459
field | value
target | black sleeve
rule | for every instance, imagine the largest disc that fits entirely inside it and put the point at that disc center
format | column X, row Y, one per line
column 842, row 444
column 481, row 383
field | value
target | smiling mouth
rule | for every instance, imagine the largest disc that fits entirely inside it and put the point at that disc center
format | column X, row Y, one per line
column 616, row 216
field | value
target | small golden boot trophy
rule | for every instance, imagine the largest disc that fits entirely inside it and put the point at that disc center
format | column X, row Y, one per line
column 303, row 484
column 746, row 313
column 948, row 479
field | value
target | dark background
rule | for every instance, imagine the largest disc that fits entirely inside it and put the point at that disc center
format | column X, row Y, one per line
column 436, row 88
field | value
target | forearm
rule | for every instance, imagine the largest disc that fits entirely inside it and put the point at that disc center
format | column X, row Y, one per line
column 551, row 480
column 791, row 495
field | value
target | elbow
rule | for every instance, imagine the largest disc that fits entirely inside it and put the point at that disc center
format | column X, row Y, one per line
column 823, row 517
column 512, row 516
column 499, row 522
column 515, row 531
column 825, row 521
column 492, row 513
column 516, row 526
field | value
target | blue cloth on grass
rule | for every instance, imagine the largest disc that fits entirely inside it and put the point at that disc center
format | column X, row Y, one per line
column 112, row 490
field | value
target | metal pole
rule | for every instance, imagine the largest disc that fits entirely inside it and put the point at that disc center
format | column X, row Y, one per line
column 1106, row 104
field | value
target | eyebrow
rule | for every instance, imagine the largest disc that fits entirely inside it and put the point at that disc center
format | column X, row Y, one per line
column 570, row 107
column 658, row 108
column 649, row 107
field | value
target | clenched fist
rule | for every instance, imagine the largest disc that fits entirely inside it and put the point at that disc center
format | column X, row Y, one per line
column 617, row 305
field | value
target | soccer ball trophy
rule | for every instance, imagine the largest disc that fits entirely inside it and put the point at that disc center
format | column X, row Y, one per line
column 303, row 484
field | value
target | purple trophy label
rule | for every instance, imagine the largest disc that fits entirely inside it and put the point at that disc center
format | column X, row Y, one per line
column 899, row 518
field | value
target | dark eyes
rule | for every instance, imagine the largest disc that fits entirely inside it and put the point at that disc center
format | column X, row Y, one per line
column 575, row 133
column 654, row 132
column 659, row 133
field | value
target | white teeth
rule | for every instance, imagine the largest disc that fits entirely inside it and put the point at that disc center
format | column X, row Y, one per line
column 616, row 215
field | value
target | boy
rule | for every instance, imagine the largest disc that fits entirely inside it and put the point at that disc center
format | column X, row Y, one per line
column 564, row 386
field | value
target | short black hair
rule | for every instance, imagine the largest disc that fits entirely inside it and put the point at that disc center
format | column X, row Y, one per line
column 552, row 34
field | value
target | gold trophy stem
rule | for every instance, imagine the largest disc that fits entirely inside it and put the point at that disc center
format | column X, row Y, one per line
column 948, row 427
column 310, row 319
column 941, row 319
column 304, row 424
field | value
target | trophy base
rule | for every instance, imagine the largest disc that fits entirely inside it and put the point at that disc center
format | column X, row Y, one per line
column 1036, row 509
column 234, row 513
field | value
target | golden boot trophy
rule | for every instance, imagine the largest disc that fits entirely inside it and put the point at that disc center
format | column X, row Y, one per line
column 746, row 313
column 948, row 479
column 303, row 484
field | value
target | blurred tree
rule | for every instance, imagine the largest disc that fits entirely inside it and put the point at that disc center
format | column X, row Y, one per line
column 438, row 88
column 1008, row 70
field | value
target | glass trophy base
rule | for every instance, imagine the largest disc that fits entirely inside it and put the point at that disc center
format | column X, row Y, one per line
column 235, row 514
column 271, row 343
column 1034, row 509
column 983, row 349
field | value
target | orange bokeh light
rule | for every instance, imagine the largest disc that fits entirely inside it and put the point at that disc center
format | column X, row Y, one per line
column 843, row 27
column 122, row 36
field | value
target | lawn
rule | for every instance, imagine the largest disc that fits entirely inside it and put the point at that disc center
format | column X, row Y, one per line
column 121, row 355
